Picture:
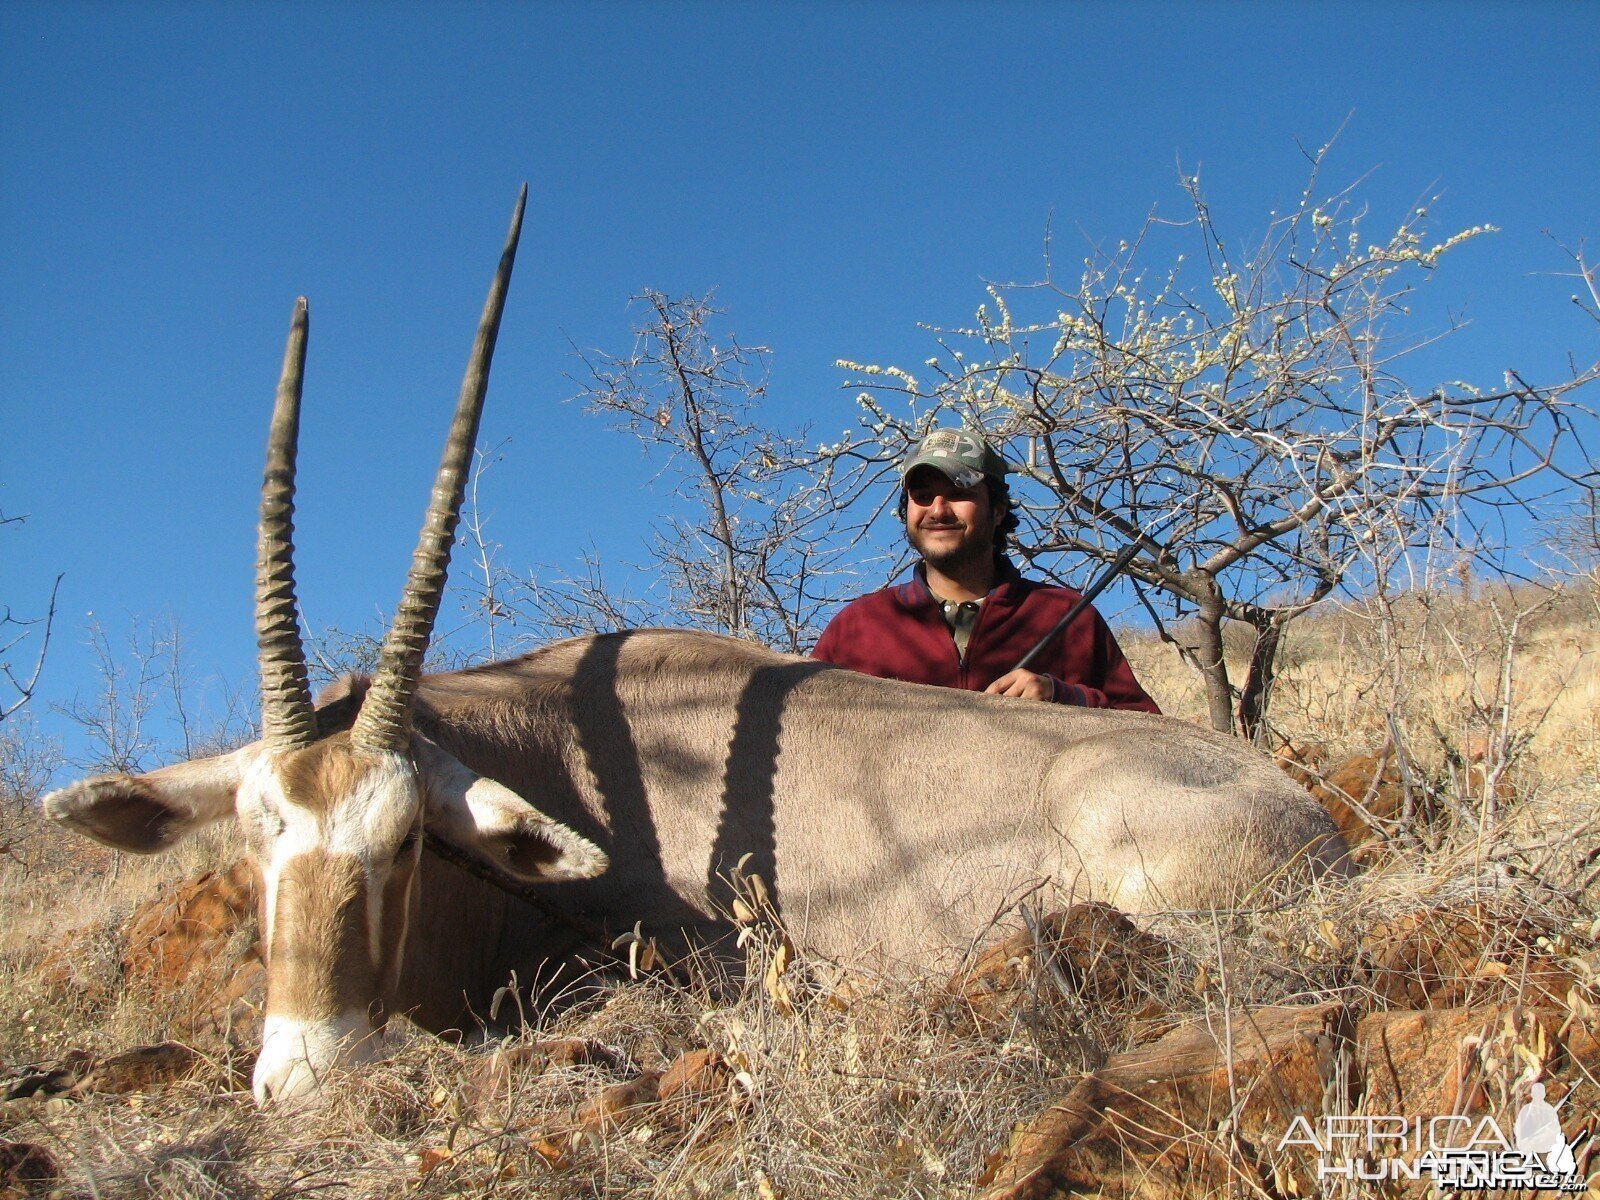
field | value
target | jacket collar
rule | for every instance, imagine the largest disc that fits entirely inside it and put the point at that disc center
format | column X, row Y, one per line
column 1009, row 585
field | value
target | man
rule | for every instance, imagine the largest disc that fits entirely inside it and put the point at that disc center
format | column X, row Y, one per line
column 966, row 617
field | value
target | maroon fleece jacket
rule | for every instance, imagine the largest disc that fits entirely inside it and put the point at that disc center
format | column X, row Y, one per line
column 900, row 633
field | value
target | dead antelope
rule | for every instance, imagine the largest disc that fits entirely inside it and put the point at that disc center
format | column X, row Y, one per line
column 888, row 820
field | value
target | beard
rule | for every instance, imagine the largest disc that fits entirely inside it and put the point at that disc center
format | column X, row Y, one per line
column 948, row 554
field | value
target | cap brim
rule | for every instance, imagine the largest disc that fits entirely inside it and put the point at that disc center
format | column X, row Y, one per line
column 957, row 473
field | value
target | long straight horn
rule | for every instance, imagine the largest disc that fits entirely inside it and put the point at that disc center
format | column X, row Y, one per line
column 385, row 719
column 287, row 720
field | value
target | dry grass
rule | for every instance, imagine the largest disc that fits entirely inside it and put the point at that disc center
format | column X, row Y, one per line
column 895, row 1091
column 1510, row 674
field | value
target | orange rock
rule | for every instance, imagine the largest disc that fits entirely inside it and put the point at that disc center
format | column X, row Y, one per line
column 1146, row 1123
column 181, row 932
column 1476, row 1063
column 500, row 1070
column 1465, row 1060
column 555, row 1156
column 619, row 1104
column 1370, row 782
column 1185, row 1116
column 185, row 944
column 430, row 1159
column 1465, row 953
column 1092, row 951
column 694, row 1075
column 672, row 1096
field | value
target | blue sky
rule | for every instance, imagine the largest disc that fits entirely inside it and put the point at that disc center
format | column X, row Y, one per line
column 173, row 175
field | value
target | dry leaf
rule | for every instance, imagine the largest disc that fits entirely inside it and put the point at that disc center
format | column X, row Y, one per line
column 774, row 982
column 554, row 1156
column 432, row 1158
column 1532, row 1059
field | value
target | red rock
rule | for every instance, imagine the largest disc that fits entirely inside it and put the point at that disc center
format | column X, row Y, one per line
column 1463, row 954
column 1091, row 954
column 694, row 1075
column 620, row 1104
column 1146, row 1123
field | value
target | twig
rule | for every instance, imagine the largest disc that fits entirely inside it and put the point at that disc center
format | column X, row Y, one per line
column 25, row 690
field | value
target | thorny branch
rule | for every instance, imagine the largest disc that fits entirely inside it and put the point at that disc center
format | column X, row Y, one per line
column 23, row 686
column 749, row 545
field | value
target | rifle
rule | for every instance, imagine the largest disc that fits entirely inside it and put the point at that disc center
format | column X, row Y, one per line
column 1094, row 589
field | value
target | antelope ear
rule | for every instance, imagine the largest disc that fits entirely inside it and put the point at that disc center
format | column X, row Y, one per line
column 147, row 813
column 489, row 820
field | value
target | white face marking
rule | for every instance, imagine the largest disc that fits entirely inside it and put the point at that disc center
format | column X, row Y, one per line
column 279, row 826
column 368, row 825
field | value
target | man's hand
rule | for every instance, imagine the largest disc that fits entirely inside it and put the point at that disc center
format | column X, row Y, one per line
column 1025, row 684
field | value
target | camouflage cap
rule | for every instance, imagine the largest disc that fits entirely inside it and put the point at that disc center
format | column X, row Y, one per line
column 961, row 454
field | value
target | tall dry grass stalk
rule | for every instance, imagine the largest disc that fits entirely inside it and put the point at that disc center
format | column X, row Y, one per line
column 1507, row 677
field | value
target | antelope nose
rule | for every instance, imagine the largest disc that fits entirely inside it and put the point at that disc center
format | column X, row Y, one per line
column 287, row 1079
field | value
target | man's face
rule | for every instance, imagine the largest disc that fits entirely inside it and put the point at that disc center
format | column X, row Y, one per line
column 949, row 526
